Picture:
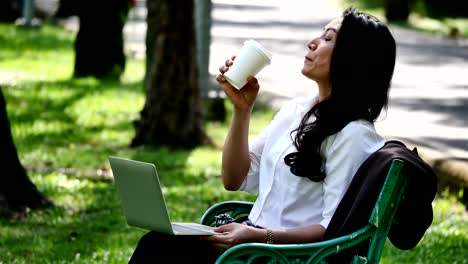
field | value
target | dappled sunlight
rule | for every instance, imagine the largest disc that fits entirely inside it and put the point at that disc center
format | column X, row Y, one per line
column 47, row 38
column 70, row 193
column 449, row 228
column 39, row 127
column 106, row 108
column 65, row 129
column 51, row 56
column 55, row 121
column 87, row 225
column 51, row 67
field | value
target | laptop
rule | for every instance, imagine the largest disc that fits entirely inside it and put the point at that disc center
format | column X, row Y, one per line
column 143, row 202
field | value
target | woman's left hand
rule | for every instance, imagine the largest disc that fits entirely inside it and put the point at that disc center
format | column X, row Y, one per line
column 233, row 234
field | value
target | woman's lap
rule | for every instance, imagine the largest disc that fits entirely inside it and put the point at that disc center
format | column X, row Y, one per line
column 156, row 247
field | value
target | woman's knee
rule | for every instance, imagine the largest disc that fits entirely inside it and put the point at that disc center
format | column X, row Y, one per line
column 151, row 237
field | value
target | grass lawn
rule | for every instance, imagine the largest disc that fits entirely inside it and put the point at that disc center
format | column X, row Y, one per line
column 65, row 129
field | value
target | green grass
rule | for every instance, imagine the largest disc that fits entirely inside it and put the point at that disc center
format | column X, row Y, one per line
column 418, row 20
column 445, row 241
column 65, row 129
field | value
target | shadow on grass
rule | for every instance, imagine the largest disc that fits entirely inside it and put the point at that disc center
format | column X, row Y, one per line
column 62, row 127
column 50, row 102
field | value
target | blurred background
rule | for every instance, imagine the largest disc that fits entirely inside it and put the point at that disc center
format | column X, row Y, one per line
column 83, row 80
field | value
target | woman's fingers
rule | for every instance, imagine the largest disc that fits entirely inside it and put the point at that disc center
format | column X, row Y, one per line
column 227, row 87
column 228, row 63
column 221, row 246
column 242, row 99
column 223, row 69
column 252, row 81
column 220, row 78
column 252, row 87
column 230, row 91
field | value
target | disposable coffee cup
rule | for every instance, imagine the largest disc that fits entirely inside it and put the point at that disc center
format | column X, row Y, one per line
column 252, row 58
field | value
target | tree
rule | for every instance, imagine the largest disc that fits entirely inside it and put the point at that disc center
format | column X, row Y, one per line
column 213, row 99
column 397, row 10
column 203, row 40
column 17, row 192
column 172, row 113
column 99, row 44
column 446, row 9
column 9, row 12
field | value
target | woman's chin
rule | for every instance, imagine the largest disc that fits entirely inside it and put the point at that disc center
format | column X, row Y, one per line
column 307, row 73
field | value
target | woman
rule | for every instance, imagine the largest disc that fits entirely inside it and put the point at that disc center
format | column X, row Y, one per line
column 301, row 165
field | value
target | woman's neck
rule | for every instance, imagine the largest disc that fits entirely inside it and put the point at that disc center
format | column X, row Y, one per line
column 324, row 90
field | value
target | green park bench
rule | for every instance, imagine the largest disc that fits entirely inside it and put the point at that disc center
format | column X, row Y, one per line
column 374, row 234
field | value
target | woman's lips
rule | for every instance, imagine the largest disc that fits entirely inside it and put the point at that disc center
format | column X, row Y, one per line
column 307, row 59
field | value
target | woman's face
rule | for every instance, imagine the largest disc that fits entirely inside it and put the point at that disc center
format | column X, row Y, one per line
column 317, row 59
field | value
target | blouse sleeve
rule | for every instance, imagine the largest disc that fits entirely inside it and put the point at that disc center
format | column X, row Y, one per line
column 348, row 149
column 251, row 182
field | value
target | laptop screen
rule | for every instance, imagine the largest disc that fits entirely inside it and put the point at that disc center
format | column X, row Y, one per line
column 140, row 194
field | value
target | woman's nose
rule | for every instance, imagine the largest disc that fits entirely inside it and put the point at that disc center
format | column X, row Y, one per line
column 312, row 45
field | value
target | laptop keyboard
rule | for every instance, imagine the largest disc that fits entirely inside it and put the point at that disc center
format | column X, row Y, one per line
column 192, row 228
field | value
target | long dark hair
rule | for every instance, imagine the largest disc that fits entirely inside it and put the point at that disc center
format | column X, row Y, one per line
column 361, row 71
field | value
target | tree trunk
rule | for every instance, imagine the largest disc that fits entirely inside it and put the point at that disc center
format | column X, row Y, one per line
column 203, row 41
column 17, row 192
column 99, row 44
column 397, row 10
column 172, row 113
column 212, row 94
column 9, row 11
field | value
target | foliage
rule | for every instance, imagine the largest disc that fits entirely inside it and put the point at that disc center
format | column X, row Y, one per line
column 440, row 9
column 422, row 17
column 65, row 130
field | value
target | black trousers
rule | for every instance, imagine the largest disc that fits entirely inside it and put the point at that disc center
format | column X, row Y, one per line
column 156, row 247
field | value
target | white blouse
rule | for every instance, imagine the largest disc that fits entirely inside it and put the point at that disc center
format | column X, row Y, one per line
column 288, row 201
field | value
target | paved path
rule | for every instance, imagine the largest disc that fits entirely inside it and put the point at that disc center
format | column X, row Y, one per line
column 429, row 99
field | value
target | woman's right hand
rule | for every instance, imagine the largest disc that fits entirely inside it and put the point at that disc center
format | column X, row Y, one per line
column 244, row 98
